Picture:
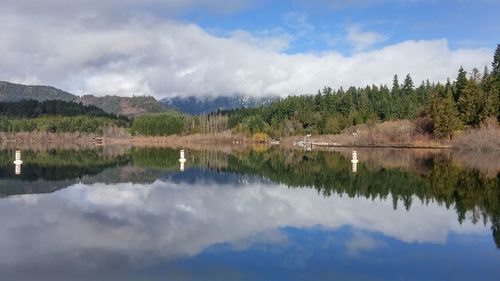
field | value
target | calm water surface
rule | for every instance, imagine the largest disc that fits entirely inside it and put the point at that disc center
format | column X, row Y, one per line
column 265, row 214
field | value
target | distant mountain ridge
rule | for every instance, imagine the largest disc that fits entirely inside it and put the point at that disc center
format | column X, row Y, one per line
column 128, row 106
column 16, row 92
column 131, row 106
column 195, row 105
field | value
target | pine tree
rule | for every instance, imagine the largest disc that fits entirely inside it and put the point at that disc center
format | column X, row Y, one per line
column 460, row 84
column 395, row 86
column 408, row 85
column 408, row 106
column 496, row 63
column 471, row 104
column 444, row 114
column 485, row 80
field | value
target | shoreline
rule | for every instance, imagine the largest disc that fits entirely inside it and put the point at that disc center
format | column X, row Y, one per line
column 485, row 160
column 200, row 141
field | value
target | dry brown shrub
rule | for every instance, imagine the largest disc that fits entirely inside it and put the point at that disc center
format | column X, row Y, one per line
column 487, row 137
column 399, row 132
column 389, row 133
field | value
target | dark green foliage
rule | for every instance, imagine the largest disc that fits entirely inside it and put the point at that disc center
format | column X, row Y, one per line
column 471, row 104
column 162, row 124
column 331, row 111
column 460, row 84
column 59, row 124
column 33, row 108
column 444, row 114
column 408, row 86
column 5, row 125
column 395, row 86
column 496, row 63
column 255, row 124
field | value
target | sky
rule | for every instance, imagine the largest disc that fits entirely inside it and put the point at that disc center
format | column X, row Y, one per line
column 241, row 47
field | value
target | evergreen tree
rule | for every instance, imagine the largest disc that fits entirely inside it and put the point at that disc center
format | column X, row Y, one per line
column 395, row 86
column 471, row 104
column 485, row 80
column 496, row 63
column 460, row 84
column 494, row 94
column 444, row 115
column 408, row 85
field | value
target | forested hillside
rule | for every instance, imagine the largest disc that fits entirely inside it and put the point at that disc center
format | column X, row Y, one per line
column 34, row 108
column 129, row 106
column 54, row 116
column 17, row 92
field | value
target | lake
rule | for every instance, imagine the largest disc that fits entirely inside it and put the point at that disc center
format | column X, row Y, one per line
column 249, row 214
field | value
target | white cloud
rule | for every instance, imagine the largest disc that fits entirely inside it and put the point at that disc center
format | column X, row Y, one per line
column 271, row 40
column 167, row 58
column 119, row 8
column 361, row 242
column 362, row 40
column 339, row 4
column 299, row 22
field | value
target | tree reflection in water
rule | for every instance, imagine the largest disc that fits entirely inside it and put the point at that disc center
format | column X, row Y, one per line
column 405, row 175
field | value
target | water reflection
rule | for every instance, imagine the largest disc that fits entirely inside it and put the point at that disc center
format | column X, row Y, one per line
column 354, row 161
column 182, row 161
column 18, row 162
column 137, row 218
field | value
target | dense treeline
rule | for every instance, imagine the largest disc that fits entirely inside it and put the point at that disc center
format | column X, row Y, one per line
column 34, row 108
column 54, row 116
column 59, row 124
column 161, row 124
column 463, row 103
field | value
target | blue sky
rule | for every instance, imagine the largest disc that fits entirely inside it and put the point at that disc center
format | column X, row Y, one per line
column 462, row 23
column 208, row 48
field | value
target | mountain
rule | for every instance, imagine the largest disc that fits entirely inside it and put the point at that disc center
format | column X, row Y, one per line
column 128, row 106
column 17, row 92
column 131, row 106
column 195, row 105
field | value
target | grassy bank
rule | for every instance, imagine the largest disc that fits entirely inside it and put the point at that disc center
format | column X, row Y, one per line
column 402, row 133
column 410, row 134
column 43, row 140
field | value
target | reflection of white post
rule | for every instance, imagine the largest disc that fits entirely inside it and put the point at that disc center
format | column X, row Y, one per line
column 354, row 161
column 182, row 161
column 18, row 162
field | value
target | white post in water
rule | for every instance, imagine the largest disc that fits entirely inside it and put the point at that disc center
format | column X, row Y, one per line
column 182, row 161
column 18, row 162
column 354, row 161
